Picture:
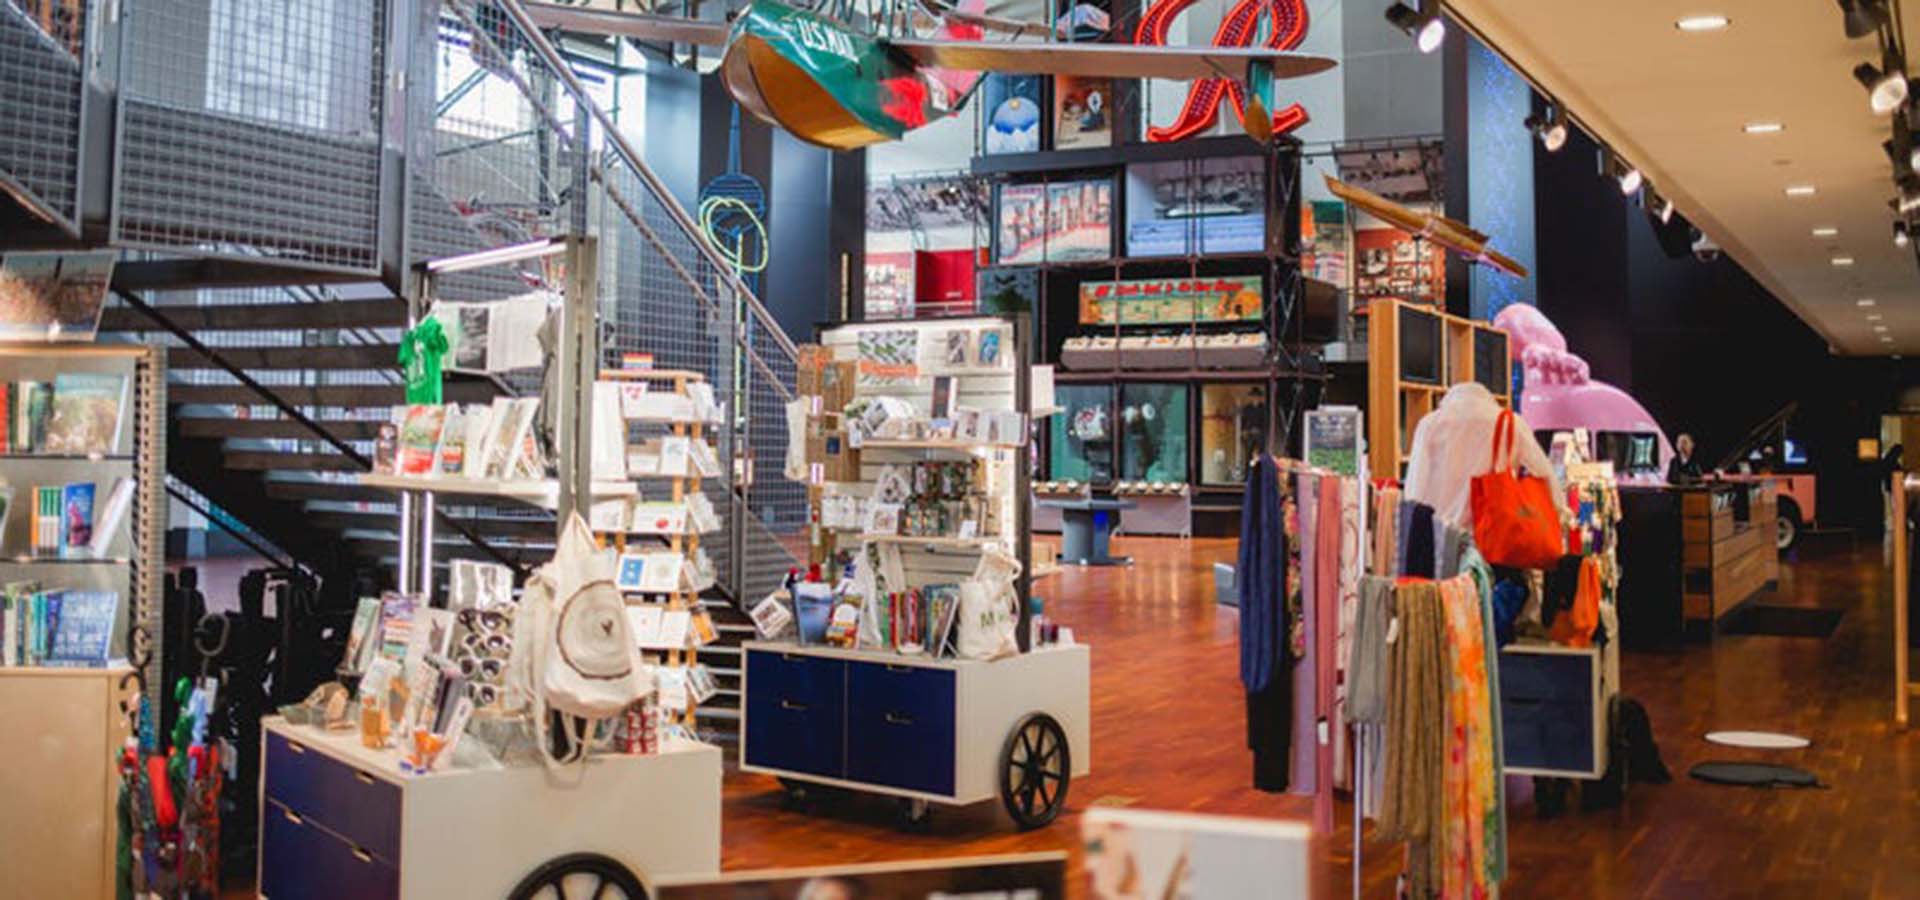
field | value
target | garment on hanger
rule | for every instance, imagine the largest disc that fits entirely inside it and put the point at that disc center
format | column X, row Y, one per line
column 1418, row 546
column 1352, row 559
column 1305, row 778
column 1454, row 443
column 1327, row 526
column 1367, row 680
column 1266, row 660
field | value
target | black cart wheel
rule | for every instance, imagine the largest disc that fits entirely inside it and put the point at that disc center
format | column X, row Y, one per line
column 1036, row 768
column 580, row 876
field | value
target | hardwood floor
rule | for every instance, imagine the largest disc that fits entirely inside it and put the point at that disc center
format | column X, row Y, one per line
column 1168, row 733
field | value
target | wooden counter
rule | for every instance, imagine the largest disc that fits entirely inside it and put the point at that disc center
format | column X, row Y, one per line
column 1691, row 555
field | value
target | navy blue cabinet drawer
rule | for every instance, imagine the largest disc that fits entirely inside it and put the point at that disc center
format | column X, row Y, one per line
column 1549, row 736
column 901, row 726
column 300, row 860
column 1558, row 677
column 361, row 808
column 796, row 713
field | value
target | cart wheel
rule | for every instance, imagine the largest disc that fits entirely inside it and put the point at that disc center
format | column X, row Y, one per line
column 580, row 876
column 914, row 812
column 1036, row 768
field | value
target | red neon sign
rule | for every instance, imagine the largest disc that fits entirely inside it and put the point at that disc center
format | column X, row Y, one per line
column 1202, row 107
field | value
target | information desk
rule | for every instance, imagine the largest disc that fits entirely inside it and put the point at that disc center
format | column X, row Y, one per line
column 939, row 730
column 1691, row 555
column 341, row 820
column 1086, row 527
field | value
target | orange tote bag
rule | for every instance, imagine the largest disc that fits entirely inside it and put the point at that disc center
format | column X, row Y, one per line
column 1514, row 522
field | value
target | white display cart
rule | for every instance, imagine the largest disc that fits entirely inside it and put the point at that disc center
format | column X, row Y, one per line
column 948, row 731
column 341, row 820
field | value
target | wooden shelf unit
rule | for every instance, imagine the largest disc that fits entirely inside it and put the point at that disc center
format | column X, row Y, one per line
column 1396, row 405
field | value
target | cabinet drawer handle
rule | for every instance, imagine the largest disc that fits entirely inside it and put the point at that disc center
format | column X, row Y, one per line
column 790, row 705
column 792, row 657
column 362, row 855
column 293, row 817
column 362, row 777
column 893, row 668
column 898, row 719
column 295, row 747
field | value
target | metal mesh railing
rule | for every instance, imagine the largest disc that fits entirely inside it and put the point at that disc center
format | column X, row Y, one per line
column 252, row 127
column 662, row 291
column 43, row 48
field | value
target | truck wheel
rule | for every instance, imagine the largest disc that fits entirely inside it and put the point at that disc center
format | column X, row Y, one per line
column 1787, row 515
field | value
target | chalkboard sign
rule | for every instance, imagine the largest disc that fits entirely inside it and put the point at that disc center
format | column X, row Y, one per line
column 83, row 626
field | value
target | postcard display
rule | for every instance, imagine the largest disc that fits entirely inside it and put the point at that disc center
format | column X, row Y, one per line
column 908, row 660
column 425, row 780
column 82, row 524
column 1165, row 292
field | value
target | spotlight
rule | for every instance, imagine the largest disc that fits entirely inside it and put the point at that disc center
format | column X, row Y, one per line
column 1612, row 166
column 1863, row 17
column 1551, row 129
column 1663, row 209
column 1900, row 237
column 1886, row 89
column 1424, row 25
column 1630, row 181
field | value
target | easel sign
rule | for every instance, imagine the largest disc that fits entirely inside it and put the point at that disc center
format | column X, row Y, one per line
column 1334, row 440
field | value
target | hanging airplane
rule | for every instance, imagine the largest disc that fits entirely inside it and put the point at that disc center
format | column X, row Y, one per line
column 845, row 87
column 1473, row 246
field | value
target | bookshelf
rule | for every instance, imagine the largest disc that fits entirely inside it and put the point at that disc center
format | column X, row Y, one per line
column 67, row 721
column 1415, row 352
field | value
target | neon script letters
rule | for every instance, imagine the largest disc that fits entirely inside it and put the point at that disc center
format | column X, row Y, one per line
column 1237, row 29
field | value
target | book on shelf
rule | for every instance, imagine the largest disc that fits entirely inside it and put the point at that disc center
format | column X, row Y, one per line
column 420, row 437
column 451, row 456
column 76, row 519
column 609, row 451
column 85, row 413
column 46, row 520
column 82, row 632
column 31, row 402
column 112, row 516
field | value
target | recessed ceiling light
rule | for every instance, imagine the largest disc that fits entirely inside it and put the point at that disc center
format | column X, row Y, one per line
column 1864, row 301
column 1703, row 23
column 1880, row 329
column 1764, row 128
column 1886, row 339
column 1873, row 317
column 1826, row 231
column 1801, row 190
column 1842, row 260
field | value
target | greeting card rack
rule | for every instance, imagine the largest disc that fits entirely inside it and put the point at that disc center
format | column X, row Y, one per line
column 685, row 474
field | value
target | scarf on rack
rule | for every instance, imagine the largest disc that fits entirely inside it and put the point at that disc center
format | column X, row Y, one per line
column 1460, row 843
column 1416, row 719
column 1496, row 823
column 1306, row 673
column 1258, row 578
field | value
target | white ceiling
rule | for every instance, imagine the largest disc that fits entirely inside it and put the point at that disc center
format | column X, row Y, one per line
column 1675, row 103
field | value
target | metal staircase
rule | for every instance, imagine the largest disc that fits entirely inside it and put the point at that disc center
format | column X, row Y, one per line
column 276, row 172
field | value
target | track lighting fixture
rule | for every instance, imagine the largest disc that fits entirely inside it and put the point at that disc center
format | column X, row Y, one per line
column 1424, row 24
column 1661, row 206
column 1551, row 129
column 1612, row 166
column 1886, row 86
column 1900, row 236
column 1863, row 17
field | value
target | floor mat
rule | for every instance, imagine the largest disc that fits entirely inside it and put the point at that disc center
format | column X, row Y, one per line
column 1784, row 621
column 1757, row 740
column 1753, row 775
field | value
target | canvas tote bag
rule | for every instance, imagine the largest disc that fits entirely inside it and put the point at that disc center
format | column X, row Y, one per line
column 1514, row 522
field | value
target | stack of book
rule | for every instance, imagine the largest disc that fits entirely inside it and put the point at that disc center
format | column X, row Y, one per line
column 56, row 627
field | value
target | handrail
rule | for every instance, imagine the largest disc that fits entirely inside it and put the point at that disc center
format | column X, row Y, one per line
column 537, row 40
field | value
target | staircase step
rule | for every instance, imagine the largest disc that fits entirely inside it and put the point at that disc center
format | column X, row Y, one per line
column 344, row 429
column 485, row 526
column 329, row 395
column 288, row 489
column 263, row 316
column 267, row 461
column 362, row 356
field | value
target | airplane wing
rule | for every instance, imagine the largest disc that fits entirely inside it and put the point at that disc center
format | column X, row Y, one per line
column 670, row 29
column 1108, row 60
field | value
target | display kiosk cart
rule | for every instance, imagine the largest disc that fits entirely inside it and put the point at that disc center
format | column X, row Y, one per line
column 340, row 820
column 946, row 731
column 909, row 719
